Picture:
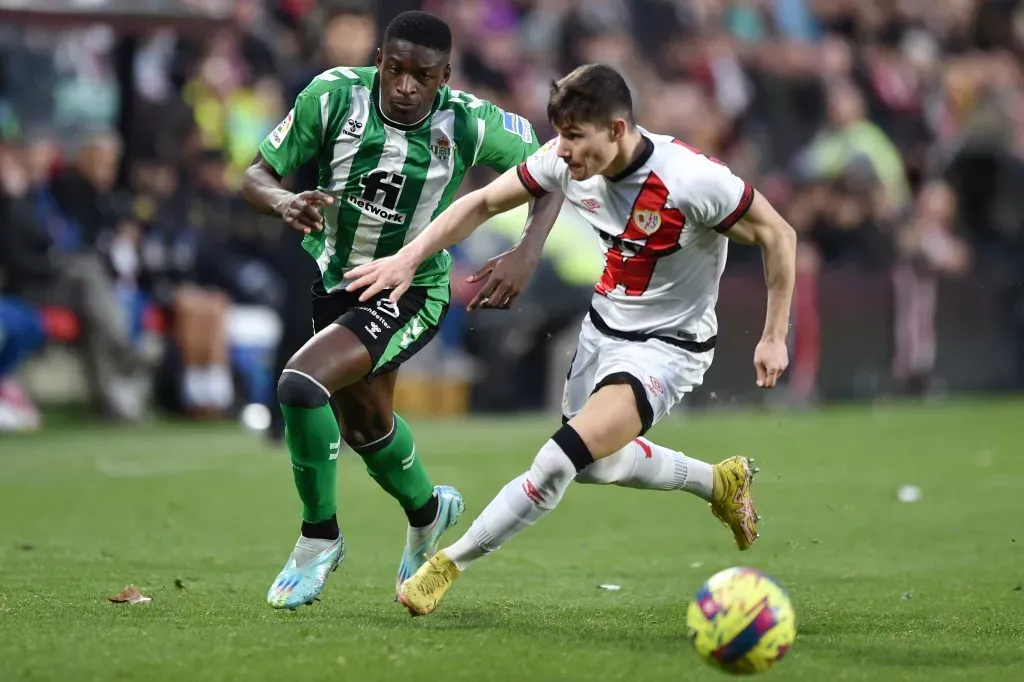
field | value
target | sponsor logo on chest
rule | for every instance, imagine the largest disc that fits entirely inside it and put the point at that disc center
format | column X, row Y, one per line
column 375, row 210
column 382, row 193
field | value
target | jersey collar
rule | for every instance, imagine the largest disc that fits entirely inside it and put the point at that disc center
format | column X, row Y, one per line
column 375, row 96
column 645, row 155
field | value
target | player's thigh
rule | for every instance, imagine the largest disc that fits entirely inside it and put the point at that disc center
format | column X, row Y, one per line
column 354, row 340
column 609, row 420
column 581, row 376
column 334, row 358
column 394, row 332
column 644, row 381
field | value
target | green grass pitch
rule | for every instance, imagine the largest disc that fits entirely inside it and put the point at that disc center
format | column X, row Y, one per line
column 202, row 518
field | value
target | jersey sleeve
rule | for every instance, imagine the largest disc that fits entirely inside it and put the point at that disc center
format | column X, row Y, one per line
column 717, row 198
column 506, row 139
column 297, row 138
column 543, row 172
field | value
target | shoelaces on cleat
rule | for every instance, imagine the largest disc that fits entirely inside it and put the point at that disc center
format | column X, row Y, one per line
column 433, row 581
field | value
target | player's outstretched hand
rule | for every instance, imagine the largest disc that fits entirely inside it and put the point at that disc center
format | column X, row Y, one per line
column 303, row 211
column 506, row 275
column 770, row 360
column 393, row 272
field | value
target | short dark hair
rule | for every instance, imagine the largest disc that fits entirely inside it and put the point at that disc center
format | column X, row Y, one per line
column 420, row 28
column 592, row 93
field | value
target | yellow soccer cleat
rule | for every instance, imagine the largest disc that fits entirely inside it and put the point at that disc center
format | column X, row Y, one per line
column 731, row 502
column 424, row 590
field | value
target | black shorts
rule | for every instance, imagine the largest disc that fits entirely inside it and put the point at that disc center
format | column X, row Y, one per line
column 392, row 333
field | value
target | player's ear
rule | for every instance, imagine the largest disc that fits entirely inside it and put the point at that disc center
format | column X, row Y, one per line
column 446, row 76
column 618, row 129
column 380, row 57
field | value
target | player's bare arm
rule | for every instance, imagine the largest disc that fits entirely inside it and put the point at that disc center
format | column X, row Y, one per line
column 451, row 227
column 762, row 225
column 505, row 276
column 261, row 187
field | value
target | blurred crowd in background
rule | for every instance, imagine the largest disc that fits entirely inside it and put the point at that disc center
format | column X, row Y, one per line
column 889, row 132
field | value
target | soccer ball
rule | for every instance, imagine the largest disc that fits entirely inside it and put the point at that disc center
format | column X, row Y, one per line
column 741, row 621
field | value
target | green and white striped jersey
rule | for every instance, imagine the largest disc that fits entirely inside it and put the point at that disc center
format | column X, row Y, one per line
column 388, row 180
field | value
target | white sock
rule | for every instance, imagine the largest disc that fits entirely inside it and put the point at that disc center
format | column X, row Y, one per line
column 415, row 537
column 308, row 548
column 194, row 387
column 649, row 466
column 521, row 503
column 219, row 386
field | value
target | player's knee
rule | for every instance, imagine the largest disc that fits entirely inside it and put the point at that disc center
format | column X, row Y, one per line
column 557, row 465
column 297, row 389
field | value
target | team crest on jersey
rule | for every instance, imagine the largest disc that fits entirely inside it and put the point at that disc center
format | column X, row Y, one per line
column 647, row 221
column 281, row 131
column 442, row 148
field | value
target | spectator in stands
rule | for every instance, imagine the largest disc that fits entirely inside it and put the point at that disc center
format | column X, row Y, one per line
column 855, row 184
column 177, row 261
column 21, row 326
column 849, row 138
column 928, row 249
column 45, row 270
column 234, row 103
column 865, row 96
column 21, row 333
column 86, row 192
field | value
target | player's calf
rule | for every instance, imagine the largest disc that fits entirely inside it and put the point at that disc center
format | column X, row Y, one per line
column 608, row 421
column 526, row 499
column 520, row 504
column 314, row 442
column 648, row 466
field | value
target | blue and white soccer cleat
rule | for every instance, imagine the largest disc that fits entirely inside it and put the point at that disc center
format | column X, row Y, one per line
column 304, row 574
column 423, row 543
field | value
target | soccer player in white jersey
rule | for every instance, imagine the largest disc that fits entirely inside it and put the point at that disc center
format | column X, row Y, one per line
column 664, row 214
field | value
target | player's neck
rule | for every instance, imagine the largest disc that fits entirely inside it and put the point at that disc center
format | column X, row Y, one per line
column 631, row 148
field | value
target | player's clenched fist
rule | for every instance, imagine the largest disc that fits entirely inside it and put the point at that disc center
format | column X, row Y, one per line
column 770, row 360
column 302, row 211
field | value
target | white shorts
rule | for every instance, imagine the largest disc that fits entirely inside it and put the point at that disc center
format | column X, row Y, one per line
column 661, row 373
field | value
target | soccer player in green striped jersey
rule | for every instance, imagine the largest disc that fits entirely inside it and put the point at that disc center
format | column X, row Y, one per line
column 393, row 143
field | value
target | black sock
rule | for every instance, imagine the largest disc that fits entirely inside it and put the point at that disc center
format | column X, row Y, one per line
column 322, row 530
column 425, row 515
